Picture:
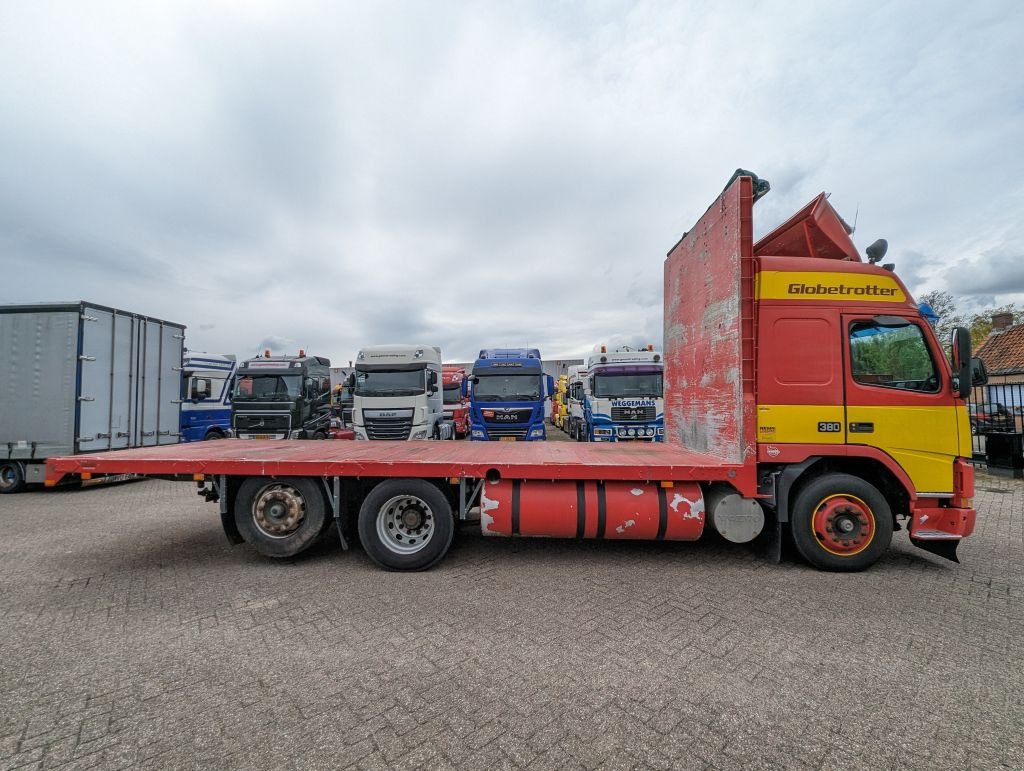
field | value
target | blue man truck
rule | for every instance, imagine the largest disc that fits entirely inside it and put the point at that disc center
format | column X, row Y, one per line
column 623, row 396
column 207, row 380
column 508, row 394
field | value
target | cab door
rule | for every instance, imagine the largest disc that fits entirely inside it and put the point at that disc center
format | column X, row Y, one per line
column 899, row 398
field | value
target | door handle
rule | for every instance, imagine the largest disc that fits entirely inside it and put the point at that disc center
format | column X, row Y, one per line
column 862, row 428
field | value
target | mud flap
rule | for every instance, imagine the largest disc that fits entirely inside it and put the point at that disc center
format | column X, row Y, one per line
column 945, row 548
column 773, row 542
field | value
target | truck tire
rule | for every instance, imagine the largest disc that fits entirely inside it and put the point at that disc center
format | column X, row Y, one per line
column 280, row 517
column 406, row 524
column 841, row 523
column 12, row 476
column 214, row 434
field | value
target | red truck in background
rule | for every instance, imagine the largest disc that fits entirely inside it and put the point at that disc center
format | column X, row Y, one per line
column 456, row 402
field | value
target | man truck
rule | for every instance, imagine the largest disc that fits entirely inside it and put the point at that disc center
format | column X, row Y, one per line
column 806, row 400
column 282, row 397
column 207, row 380
column 397, row 393
column 508, row 394
column 456, row 398
column 83, row 378
column 623, row 400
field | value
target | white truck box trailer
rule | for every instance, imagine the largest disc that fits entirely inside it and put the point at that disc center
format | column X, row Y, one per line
column 79, row 377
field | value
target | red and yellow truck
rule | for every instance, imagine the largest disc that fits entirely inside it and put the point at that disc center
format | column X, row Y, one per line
column 806, row 400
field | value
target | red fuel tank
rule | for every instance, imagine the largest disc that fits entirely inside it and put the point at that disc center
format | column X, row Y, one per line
column 562, row 509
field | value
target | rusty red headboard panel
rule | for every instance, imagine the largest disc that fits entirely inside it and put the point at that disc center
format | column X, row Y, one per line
column 709, row 331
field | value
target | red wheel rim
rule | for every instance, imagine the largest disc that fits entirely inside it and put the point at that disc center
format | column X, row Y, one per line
column 843, row 525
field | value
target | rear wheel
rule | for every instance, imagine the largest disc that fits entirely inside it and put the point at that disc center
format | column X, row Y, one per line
column 406, row 524
column 279, row 517
column 215, row 434
column 12, row 476
column 841, row 522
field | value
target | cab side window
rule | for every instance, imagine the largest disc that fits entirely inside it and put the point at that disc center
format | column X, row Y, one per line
column 892, row 356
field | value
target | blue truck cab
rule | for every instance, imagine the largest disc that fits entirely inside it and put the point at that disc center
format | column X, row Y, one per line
column 508, row 394
column 207, row 382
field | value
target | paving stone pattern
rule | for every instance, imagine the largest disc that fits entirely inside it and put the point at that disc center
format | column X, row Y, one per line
column 131, row 635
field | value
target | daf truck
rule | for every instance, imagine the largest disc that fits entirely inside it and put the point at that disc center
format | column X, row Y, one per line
column 807, row 401
column 623, row 401
column 397, row 393
column 508, row 395
column 575, row 396
column 282, row 397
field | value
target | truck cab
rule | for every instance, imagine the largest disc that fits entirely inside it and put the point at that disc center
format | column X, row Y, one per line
column 397, row 393
column 624, row 397
column 575, row 396
column 207, row 382
column 455, row 384
column 282, row 397
column 507, row 399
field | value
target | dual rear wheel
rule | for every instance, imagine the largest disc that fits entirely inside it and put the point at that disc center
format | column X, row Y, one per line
column 404, row 524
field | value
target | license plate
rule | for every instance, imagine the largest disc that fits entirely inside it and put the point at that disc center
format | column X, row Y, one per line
column 506, row 439
column 263, row 436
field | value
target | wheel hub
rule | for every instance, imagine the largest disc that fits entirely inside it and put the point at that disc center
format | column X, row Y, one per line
column 279, row 511
column 844, row 525
column 405, row 524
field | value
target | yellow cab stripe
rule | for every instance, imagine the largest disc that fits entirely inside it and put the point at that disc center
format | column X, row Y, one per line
column 801, row 423
column 815, row 286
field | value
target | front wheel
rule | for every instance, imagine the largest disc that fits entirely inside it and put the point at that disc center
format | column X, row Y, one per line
column 841, row 522
column 12, row 477
column 280, row 517
column 406, row 524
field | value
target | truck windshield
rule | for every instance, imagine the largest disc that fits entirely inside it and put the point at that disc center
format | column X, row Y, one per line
column 507, row 388
column 452, row 394
column 610, row 386
column 388, row 383
column 267, row 388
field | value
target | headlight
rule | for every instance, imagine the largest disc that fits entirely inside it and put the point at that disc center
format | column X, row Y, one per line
column 421, row 434
column 537, row 432
column 602, row 432
column 478, row 433
column 661, row 432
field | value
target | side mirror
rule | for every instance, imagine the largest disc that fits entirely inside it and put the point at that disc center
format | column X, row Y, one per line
column 550, row 383
column 962, row 362
column 432, row 382
column 979, row 375
column 464, row 388
column 351, row 380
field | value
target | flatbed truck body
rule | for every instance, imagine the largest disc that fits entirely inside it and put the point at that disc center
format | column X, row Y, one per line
column 789, row 417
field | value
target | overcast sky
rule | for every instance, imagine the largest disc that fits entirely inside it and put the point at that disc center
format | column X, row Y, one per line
column 331, row 175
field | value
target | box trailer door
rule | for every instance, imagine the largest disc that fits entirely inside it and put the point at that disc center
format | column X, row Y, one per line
column 95, row 398
column 168, row 364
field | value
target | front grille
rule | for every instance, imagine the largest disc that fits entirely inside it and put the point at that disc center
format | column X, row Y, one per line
column 262, row 423
column 501, row 416
column 496, row 432
column 625, row 414
column 388, row 428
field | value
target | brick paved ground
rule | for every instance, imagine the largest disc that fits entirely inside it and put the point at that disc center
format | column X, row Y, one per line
column 132, row 635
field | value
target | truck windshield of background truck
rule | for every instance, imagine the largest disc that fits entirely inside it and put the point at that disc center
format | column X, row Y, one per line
column 892, row 357
column 507, row 388
column 630, row 381
column 452, row 393
column 267, row 388
column 390, row 383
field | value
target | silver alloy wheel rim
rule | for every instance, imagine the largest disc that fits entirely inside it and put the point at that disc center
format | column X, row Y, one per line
column 405, row 524
column 278, row 511
column 8, row 476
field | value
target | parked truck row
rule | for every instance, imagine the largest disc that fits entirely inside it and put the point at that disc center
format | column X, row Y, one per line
column 806, row 400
